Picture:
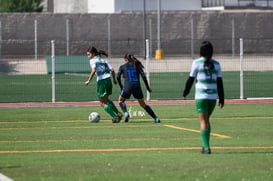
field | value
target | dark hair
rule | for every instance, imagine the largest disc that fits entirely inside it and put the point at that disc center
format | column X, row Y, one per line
column 94, row 51
column 206, row 51
column 134, row 60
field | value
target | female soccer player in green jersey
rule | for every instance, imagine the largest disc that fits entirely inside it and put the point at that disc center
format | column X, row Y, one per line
column 208, row 87
column 103, row 70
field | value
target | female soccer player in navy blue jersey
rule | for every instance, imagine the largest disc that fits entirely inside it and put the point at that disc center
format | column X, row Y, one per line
column 131, row 71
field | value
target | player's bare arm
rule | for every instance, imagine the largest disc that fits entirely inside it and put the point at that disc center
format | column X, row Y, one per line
column 92, row 73
column 113, row 76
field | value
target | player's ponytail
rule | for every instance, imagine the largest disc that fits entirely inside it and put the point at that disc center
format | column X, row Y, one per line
column 133, row 60
column 137, row 63
column 101, row 52
column 94, row 51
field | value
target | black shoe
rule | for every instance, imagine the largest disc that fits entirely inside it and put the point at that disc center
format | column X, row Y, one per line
column 205, row 151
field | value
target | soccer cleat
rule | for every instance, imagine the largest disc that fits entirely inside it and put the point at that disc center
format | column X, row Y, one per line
column 205, row 151
column 115, row 120
column 126, row 118
column 157, row 120
column 119, row 115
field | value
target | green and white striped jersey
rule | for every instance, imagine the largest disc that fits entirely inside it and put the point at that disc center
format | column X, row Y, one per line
column 102, row 67
column 206, row 80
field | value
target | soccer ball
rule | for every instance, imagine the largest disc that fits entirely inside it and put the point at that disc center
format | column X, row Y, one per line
column 94, row 117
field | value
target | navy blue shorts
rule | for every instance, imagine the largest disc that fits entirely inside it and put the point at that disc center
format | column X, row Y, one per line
column 133, row 90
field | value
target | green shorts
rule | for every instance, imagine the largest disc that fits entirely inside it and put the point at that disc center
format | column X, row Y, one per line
column 104, row 87
column 205, row 105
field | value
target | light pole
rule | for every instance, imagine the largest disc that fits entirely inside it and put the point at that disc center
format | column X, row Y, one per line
column 159, row 53
column 158, row 24
column 144, row 27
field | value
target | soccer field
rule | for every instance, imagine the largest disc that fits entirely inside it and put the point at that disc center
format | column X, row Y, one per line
column 59, row 143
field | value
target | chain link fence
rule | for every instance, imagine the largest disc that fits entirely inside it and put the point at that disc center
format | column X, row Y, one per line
column 27, row 79
column 25, row 74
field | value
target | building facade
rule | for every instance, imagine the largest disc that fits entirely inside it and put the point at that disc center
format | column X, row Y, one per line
column 117, row 6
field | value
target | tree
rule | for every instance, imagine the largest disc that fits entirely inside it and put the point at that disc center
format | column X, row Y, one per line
column 21, row 6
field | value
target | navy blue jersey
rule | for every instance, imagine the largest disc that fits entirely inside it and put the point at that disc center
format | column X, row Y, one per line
column 131, row 84
column 130, row 73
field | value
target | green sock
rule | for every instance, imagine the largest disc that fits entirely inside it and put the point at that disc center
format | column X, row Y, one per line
column 208, row 136
column 110, row 111
column 205, row 135
column 112, row 105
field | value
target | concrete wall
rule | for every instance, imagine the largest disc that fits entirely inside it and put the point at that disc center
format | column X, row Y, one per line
column 127, row 32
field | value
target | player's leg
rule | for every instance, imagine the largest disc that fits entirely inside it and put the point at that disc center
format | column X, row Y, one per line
column 204, row 110
column 113, row 106
column 122, row 98
column 107, row 107
column 104, row 89
column 149, row 110
column 108, row 87
column 205, row 132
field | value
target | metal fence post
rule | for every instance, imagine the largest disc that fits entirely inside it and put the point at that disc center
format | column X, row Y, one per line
column 150, row 36
column 0, row 40
column 233, row 38
column 109, row 35
column 241, row 69
column 148, row 66
column 53, row 70
column 67, row 37
column 192, row 37
column 35, row 40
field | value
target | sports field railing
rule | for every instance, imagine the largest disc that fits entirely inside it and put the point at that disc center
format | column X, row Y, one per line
column 27, row 79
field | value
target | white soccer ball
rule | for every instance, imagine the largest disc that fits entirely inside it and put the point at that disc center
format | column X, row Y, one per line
column 94, row 117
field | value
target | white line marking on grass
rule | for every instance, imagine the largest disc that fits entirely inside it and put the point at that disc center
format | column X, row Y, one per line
column 196, row 131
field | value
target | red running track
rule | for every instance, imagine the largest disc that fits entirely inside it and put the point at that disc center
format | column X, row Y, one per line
column 167, row 102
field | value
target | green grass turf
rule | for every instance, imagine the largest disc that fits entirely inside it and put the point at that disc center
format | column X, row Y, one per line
column 67, row 128
column 165, row 86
